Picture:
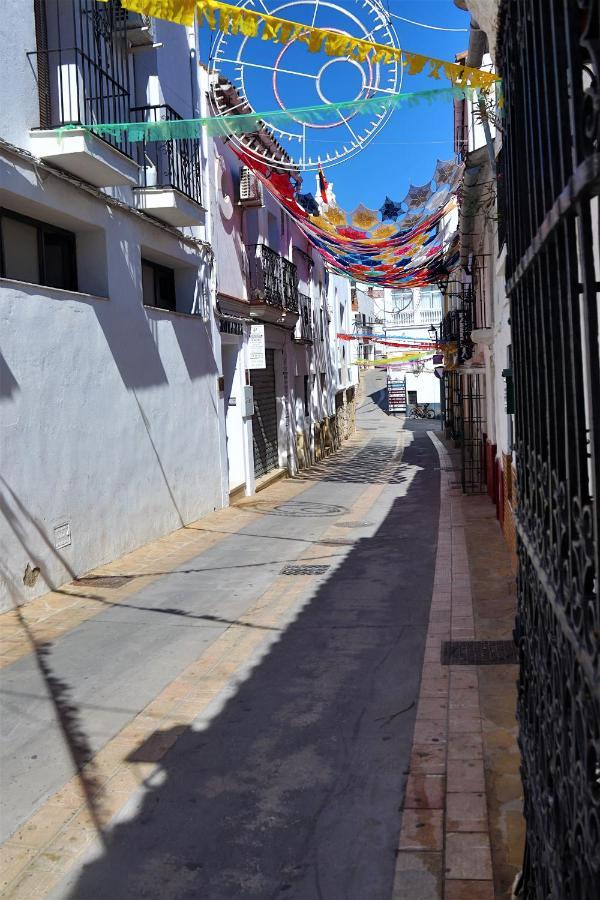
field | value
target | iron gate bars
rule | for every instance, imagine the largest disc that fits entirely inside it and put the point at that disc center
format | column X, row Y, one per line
column 548, row 52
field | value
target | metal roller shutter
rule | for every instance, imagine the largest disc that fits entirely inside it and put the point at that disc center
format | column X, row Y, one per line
column 264, row 421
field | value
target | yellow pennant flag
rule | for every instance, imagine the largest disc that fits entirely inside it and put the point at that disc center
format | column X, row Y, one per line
column 238, row 20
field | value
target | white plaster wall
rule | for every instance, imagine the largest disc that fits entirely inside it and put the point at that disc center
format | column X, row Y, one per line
column 19, row 105
column 109, row 411
column 227, row 217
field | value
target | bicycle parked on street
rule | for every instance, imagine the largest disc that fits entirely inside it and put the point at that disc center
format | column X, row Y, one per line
column 421, row 411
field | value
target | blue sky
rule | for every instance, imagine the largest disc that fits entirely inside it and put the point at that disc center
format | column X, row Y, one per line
column 407, row 147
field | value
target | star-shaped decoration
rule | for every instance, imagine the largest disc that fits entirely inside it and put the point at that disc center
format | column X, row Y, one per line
column 418, row 195
column 445, row 172
column 308, row 202
column 390, row 210
column 364, row 218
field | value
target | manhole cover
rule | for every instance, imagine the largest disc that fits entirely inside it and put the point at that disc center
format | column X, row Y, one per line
column 295, row 508
column 108, row 581
column 304, row 570
column 478, row 653
column 352, row 524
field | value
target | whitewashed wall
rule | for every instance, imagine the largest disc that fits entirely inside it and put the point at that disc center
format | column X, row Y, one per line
column 109, row 411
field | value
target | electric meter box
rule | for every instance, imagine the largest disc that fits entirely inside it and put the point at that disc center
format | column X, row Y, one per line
column 248, row 401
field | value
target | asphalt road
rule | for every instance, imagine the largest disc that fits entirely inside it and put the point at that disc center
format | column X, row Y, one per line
column 292, row 784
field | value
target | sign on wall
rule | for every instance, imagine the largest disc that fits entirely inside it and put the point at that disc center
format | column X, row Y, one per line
column 256, row 348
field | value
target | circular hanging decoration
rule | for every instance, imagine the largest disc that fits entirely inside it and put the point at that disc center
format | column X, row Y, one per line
column 269, row 76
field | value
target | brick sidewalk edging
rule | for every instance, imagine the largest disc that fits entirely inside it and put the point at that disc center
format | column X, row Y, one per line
column 444, row 846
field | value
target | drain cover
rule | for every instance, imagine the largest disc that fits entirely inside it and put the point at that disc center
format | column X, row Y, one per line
column 337, row 542
column 478, row 653
column 304, row 570
column 352, row 524
column 108, row 581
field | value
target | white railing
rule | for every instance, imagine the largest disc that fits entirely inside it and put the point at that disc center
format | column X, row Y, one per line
column 425, row 316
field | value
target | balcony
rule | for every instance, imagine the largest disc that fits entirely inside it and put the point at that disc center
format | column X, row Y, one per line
column 171, row 188
column 273, row 285
column 83, row 77
column 304, row 328
column 420, row 316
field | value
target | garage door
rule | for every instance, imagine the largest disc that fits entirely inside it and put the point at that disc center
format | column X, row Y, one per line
column 264, row 421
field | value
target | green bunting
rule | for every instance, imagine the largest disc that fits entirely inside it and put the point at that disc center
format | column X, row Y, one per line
column 247, row 123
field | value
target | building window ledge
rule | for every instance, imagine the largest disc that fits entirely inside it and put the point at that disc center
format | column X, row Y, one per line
column 173, row 312
column 54, row 292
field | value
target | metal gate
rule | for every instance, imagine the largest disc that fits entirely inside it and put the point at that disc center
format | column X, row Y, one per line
column 264, row 421
column 549, row 53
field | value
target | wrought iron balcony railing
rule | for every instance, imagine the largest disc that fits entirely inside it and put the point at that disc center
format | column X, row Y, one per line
column 273, row 279
column 172, row 163
column 83, row 67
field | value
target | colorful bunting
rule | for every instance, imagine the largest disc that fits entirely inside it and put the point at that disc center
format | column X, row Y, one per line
column 248, row 22
column 249, row 123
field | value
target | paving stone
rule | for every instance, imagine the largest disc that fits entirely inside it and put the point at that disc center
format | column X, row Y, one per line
column 425, row 791
column 418, row 876
column 468, row 890
column 466, row 812
column 428, row 758
column 421, row 829
column 468, row 856
column 465, row 775
column 465, row 746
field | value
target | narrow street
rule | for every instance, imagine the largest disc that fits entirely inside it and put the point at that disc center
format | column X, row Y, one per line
column 262, row 720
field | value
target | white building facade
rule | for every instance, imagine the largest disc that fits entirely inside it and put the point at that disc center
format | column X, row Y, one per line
column 127, row 300
column 413, row 314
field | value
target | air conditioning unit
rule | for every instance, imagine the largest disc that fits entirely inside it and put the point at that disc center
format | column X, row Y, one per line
column 250, row 188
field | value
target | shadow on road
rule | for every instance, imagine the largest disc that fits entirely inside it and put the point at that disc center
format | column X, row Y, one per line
column 293, row 787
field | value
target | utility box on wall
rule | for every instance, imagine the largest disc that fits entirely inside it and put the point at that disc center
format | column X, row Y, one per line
column 248, row 401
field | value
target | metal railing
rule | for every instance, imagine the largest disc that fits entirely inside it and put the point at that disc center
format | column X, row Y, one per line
column 273, row 279
column 548, row 58
column 84, row 72
column 172, row 163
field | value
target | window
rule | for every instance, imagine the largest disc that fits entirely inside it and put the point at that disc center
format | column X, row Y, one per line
column 402, row 300
column 431, row 298
column 36, row 252
column 412, row 397
column 307, row 395
column 158, row 286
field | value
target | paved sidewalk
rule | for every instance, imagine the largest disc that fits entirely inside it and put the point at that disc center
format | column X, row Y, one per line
column 200, row 723
column 462, row 828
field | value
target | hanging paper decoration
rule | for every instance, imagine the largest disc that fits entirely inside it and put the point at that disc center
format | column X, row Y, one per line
column 250, row 123
column 384, row 231
column 364, row 218
column 418, row 196
column 308, row 202
column 445, row 172
column 408, row 258
column 253, row 23
column 390, row 210
column 335, row 216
